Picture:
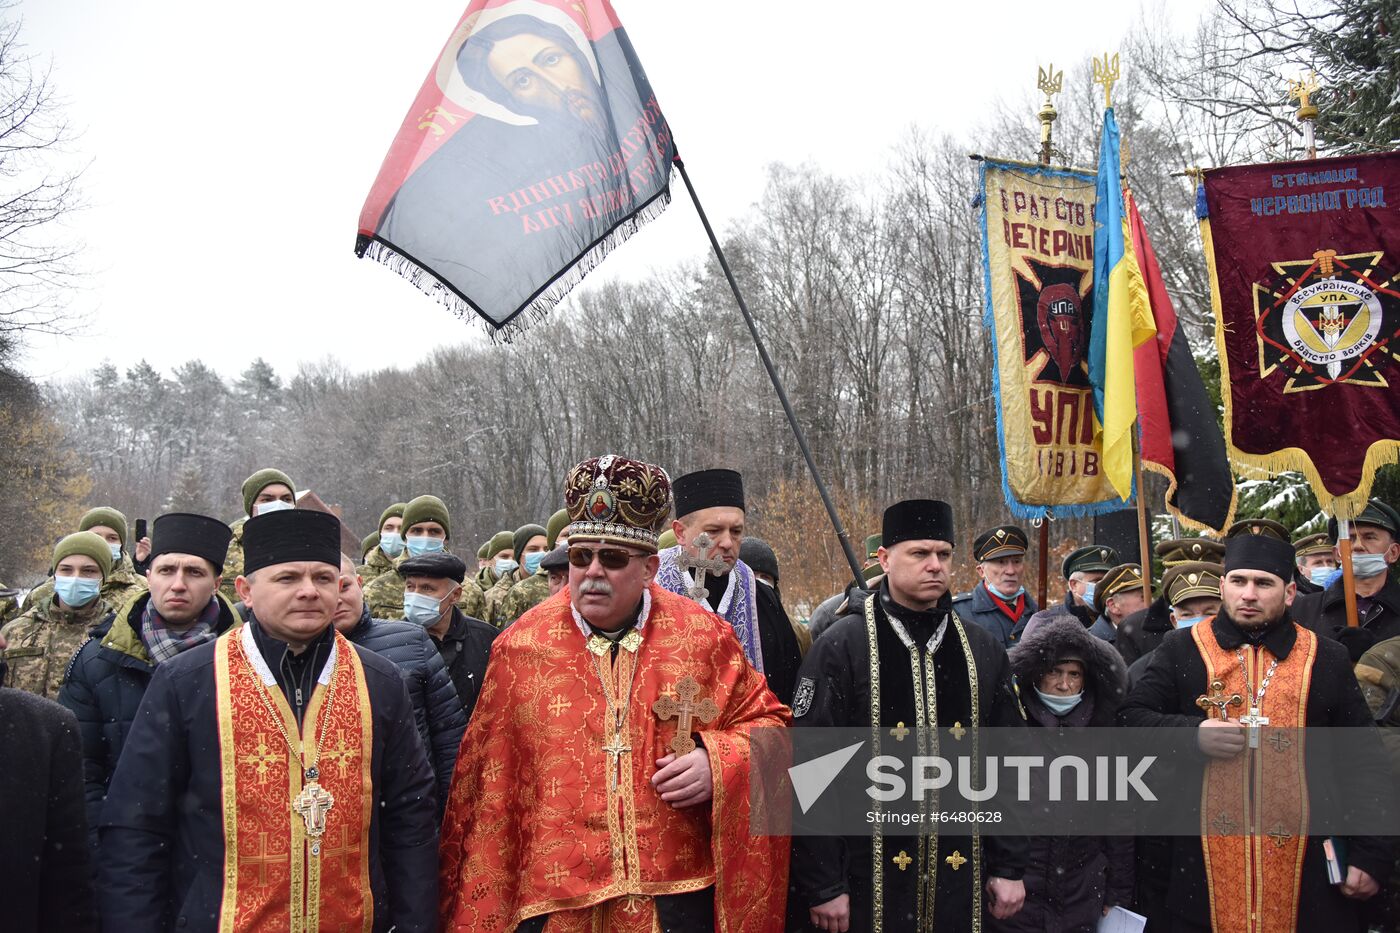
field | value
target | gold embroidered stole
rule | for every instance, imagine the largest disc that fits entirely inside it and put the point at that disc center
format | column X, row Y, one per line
column 926, row 736
column 275, row 876
column 1254, row 807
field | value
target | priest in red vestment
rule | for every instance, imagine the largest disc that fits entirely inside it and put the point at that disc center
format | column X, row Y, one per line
column 604, row 779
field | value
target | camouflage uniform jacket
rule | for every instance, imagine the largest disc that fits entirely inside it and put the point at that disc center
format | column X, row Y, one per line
column 122, row 585
column 497, row 595
column 485, row 579
column 385, row 598
column 44, row 641
column 9, row 605
column 376, row 565
column 522, row 597
column 233, row 563
column 1378, row 674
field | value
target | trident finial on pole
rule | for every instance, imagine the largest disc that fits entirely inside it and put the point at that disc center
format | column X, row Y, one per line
column 1050, row 82
column 1107, row 73
column 1302, row 91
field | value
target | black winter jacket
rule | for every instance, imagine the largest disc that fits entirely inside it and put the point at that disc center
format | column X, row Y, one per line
column 45, row 885
column 1070, row 879
column 103, row 687
column 441, row 719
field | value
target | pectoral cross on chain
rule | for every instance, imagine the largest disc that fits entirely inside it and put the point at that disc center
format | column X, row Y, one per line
column 682, row 708
column 1216, row 702
column 312, row 805
column 701, row 563
column 1254, row 721
column 615, row 749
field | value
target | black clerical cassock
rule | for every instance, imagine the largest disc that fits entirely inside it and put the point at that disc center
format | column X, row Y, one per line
column 905, row 882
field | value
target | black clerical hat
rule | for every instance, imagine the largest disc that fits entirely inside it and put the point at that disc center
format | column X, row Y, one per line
column 1260, row 552
column 188, row 533
column 288, row 536
column 438, row 564
column 917, row 520
column 708, row 489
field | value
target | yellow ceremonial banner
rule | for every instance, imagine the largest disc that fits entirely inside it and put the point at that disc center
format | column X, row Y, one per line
column 1038, row 260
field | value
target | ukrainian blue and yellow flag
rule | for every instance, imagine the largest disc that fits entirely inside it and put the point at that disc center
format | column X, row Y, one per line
column 1122, row 318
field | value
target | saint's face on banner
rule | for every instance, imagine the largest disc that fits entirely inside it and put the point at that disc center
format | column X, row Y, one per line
column 534, row 147
column 536, row 69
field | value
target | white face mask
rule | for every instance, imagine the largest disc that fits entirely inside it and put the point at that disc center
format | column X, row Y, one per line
column 276, row 505
column 1366, row 566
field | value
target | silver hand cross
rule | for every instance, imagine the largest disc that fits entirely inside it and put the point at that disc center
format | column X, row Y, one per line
column 700, row 563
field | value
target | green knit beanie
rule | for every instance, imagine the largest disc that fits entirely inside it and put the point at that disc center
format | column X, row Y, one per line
column 555, row 527
column 260, row 481
column 88, row 545
column 522, row 537
column 395, row 510
column 368, row 544
column 481, row 551
column 499, row 542
column 666, row 539
column 426, row 509
column 105, row 515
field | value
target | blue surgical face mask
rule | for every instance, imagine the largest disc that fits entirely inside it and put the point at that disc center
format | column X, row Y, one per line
column 1087, row 597
column 276, row 505
column 1005, row 596
column 1057, row 704
column 391, row 543
column 418, row 545
column 504, row 566
column 76, row 592
column 421, row 609
column 532, row 562
column 116, row 552
column 1189, row 621
column 1366, row 566
column 1322, row 575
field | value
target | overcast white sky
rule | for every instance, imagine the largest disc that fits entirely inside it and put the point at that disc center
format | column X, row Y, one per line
column 231, row 146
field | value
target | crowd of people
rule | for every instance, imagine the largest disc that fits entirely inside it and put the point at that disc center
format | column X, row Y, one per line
column 241, row 727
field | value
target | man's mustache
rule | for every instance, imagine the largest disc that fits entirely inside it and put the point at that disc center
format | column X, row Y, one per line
column 601, row 587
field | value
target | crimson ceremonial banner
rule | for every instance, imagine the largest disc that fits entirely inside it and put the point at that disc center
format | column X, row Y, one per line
column 1038, row 263
column 533, row 148
column 1304, row 261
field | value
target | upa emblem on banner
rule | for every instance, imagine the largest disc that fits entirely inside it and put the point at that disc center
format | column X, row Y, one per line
column 1052, row 309
column 1327, row 320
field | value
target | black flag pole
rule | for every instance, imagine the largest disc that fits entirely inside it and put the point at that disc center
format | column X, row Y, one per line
column 841, row 535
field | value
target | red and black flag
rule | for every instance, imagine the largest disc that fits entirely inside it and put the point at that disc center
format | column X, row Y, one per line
column 1181, row 439
column 532, row 149
column 1304, row 259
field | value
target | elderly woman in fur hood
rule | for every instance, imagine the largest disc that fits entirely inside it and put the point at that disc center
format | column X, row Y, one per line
column 1068, row 680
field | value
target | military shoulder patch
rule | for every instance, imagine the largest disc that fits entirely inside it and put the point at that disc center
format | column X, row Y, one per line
column 802, row 697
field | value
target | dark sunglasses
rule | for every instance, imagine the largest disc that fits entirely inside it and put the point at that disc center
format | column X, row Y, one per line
column 611, row 558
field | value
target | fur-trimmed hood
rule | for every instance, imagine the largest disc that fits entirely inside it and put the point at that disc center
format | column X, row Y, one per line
column 1106, row 679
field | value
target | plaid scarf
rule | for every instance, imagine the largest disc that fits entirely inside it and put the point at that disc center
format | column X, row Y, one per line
column 164, row 644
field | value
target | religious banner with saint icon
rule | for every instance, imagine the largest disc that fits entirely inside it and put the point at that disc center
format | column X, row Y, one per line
column 1038, row 263
column 533, row 148
column 1304, row 261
